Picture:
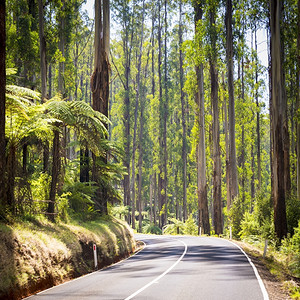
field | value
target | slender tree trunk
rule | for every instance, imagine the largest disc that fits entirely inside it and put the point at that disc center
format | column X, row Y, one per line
column 153, row 177
column 183, row 112
column 243, row 154
column 278, row 110
column 126, row 121
column 42, row 51
column 138, row 88
column 54, row 173
column 151, row 199
column 231, row 117
column 155, row 200
column 298, row 105
column 100, row 83
column 228, row 194
column 50, row 80
column 61, row 47
column 217, row 175
column 165, row 117
column 252, row 180
column 257, row 122
column 201, row 158
column 160, row 175
column 140, row 166
column 2, row 103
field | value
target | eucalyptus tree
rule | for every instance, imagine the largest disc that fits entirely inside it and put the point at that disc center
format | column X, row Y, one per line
column 278, row 113
column 233, row 177
column 123, row 12
column 100, row 82
column 2, row 100
column 43, row 66
column 183, row 114
column 213, row 62
column 199, row 98
column 298, row 103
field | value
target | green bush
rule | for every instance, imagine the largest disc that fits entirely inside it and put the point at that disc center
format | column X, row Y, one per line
column 152, row 229
column 249, row 226
column 235, row 217
column 291, row 247
column 292, row 213
column 175, row 227
column 190, row 226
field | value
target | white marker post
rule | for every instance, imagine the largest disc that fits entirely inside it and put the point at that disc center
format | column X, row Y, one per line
column 95, row 256
column 200, row 231
column 265, row 250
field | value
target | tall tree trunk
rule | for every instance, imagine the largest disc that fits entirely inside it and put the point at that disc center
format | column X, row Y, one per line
column 164, row 115
column 155, row 200
column 257, row 120
column 126, row 120
column 141, row 134
column 50, row 80
column 42, row 51
column 151, row 199
column 100, row 83
column 201, row 158
column 54, row 173
column 298, row 105
column 231, row 117
column 217, row 176
column 228, row 194
column 183, row 112
column 61, row 47
column 160, row 175
column 278, row 112
column 243, row 154
column 2, row 103
column 137, row 100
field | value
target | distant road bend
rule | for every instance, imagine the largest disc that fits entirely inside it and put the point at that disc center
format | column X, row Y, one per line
column 171, row 268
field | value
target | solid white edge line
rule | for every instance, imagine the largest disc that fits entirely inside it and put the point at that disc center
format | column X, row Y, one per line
column 162, row 275
column 260, row 282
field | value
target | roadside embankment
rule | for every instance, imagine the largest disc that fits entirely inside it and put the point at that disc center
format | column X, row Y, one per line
column 38, row 254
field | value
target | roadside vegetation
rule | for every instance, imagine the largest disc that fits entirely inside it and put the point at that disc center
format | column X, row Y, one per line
column 36, row 254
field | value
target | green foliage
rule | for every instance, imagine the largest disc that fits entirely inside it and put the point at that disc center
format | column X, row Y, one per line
column 119, row 211
column 235, row 217
column 178, row 227
column 80, row 197
column 249, row 226
column 152, row 229
column 190, row 227
column 175, row 227
column 291, row 247
column 292, row 212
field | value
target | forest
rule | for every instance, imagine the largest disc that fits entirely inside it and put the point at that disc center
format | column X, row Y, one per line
column 159, row 112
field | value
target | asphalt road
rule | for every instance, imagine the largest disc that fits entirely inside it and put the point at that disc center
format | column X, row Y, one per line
column 170, row 268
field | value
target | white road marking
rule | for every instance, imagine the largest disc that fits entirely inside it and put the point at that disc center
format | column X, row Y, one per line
column 155, row 280
column 261, row 284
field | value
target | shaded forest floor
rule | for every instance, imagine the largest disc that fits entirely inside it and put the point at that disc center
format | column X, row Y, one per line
column 37, row 254
column 279, row 283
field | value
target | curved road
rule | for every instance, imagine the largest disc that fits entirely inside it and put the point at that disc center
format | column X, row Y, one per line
column 170, row 268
